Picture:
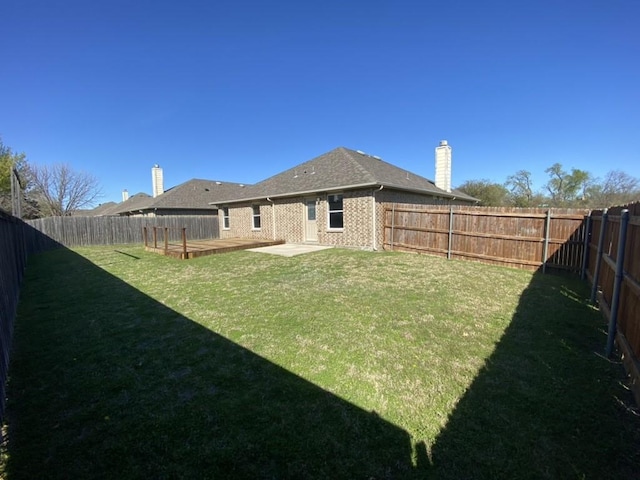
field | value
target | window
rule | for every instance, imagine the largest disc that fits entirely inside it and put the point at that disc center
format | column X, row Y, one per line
column 335, row 211
column 225, row 218
column 256, row 217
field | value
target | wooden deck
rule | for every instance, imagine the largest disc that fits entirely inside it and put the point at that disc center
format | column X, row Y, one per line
column 200, row 248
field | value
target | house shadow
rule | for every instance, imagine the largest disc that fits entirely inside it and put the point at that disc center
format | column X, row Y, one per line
column 107, row 382
column 544, row 405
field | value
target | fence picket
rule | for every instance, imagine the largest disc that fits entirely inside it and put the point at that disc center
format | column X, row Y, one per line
column 86, row 231
column 527, row 238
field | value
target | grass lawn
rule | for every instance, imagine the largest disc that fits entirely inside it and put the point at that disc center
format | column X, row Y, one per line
column 335, row 364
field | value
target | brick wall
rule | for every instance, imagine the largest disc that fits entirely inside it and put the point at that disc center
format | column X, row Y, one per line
column 357, row 231
column 241, row 221
column 290, row 218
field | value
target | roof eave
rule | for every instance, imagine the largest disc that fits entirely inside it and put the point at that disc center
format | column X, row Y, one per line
column 442, row 193
column 299, row 193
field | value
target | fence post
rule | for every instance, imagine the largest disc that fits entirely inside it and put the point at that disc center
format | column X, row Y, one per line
column 596, row 273
column 585, row 248
column 450, row 231
column 144, row 236
column 184, row 242
column 155, row 237
column 545, row 250
column 617, row 284
column 393, row 222
column 166, row 239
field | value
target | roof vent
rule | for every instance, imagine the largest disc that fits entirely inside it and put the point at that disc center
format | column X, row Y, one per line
column 218, row 183
column 360, row 152
column 377, row 157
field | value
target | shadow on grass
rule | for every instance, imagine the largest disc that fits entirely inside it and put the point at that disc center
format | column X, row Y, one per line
column 546, row 404
column 106, row 382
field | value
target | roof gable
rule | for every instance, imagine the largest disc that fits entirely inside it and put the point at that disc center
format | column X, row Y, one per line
column 338, row 169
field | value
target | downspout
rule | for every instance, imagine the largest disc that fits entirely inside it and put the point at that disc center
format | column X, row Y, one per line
column 374, row 217
column 273, row 216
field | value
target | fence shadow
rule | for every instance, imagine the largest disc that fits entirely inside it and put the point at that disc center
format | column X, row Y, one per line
column 143, row 392
column 527, row 411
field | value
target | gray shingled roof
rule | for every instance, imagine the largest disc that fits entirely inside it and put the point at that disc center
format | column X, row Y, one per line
column 135, row 203
column 101, row 210
column 341, row 169
column 197, row 194
column 193, row 194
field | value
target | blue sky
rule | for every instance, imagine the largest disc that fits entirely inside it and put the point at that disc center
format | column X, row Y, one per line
column 241, row 90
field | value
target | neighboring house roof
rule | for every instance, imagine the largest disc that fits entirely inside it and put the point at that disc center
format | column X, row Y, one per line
column 341, row 169
column 196, row 194
column 134, row 203
column 102, row 209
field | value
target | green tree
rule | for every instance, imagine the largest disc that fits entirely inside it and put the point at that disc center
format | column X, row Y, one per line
column 490, row 194
column 520, row 186
column 11, row 163
column 567, row 189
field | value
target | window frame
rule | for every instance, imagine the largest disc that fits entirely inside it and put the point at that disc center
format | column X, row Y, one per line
column 256, row 216
column 226, row 223
column 330, row 211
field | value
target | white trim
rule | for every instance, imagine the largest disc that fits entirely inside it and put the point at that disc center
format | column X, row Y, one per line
column 255, row 216
column 226, row 216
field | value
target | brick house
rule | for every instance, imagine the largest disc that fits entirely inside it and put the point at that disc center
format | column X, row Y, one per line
column 335, row 199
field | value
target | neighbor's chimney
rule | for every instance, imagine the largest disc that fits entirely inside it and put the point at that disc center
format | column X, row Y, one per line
column 125, row 195
column 443, row 166
column 157, row 180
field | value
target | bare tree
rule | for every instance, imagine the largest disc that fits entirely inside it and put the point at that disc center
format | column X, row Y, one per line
column 617, row 188
column 60, row 191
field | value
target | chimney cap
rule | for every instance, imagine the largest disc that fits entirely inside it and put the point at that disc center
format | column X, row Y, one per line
column 443, row 143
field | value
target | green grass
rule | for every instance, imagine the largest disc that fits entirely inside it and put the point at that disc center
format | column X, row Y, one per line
column 336, row 364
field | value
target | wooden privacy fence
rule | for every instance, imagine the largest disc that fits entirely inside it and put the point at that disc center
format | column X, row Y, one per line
column 523, row 238
column 614, row 273
column 86, row 231
column 13, row 258
column 17, row 241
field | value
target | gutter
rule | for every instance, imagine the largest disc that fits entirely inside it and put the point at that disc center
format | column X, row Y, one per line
column 422, row 191
column 374, row 217
column 300, row 193
column 273, row 216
